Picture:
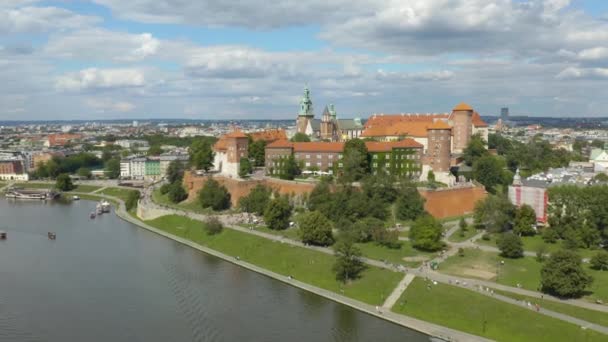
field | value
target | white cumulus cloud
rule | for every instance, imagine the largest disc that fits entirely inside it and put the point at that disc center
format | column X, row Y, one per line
column 94, row 78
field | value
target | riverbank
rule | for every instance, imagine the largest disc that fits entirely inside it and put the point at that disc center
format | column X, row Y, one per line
column 427, row 328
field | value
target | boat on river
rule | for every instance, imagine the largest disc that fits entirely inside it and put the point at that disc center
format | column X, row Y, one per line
column 31, row 194
column 105, row 206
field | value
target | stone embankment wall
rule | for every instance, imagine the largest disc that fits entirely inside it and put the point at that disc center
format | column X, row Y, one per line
column 440, row 203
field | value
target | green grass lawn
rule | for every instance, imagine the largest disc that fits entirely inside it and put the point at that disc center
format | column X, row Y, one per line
column 290, row 233
column 375, row 251
column 532, row 244
column 471, row 312
column 305, row 265
column 467, row 235
column 33, row 185
column 121, row 193
column 92, row 197
column 525, row 271
column 486, row 265
column 85, row 188
column 593, row 316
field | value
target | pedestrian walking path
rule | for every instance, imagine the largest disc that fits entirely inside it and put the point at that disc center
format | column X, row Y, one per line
column 401, row 287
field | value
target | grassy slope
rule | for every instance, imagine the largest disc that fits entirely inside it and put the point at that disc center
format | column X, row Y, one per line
column 467, row 311
column 592, row 316
column 86, row 188
column 309, row 266
column 121, row 193
column 394, row 255
column 29, row 185
column 532, row 243
column 189, row 205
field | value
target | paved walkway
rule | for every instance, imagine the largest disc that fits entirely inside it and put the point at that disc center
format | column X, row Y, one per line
column 394, row 297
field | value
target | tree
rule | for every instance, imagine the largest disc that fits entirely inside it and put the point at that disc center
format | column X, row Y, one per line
column 175, row 171
column 245, row 167
column 494, row 214
column 277, row 214
column 289, row 168
column 177, row 193
column 112, row 169
column 355, row 163
column 380, row 186
column 320, row 198
column 525, row 220
column 315, row 229
column 132, row 199
column 600, row 261
column 488, row 170
column 385, row 237
column 257, row 151
column 201, row 154
column 425, row 233
column 64, row 182
column 300, row 137
column 601, row 177
column 430, row 176
column 462, row 224
column 213, row 226
column 165, row 188
column 549, row 235
column 474, row 150
column 84, row 172
column 409, row 204
column 541, row 253
column 510, row 245
column 348, row 265
column 155, row 150
column 563, row 275
column 256, row 201
column 214, row 196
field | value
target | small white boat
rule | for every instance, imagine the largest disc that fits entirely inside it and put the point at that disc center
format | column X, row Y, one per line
column 105, row 206
column 76, row 198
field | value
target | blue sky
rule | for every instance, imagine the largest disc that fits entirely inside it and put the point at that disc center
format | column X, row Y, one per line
column 217, row 59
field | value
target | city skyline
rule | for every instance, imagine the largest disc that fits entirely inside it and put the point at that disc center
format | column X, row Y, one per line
column 108, row 59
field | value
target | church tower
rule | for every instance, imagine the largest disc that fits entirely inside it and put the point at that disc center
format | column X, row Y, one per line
column 306, row 113
column 327, row 124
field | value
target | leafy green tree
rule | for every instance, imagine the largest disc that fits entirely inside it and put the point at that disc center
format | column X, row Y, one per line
column 155, row 150
column 256, row 201
column 84, row 172
column 385, row 237
column 488, row 170
column 549, row 235
column 541, row 253
column 510, row 245
column 494, row 214
column 300, row 137
column 380, row 186
column 409, row 204
column 277, row 213
column 525, row 220
column 315, row 229
column 474, row 150
column 348, row 265
column 425, row 234
column 165, row 188
column 600, row 261
column 201, row 154
column 289, row 168
column 257, row 151
column 213, row 226
column 601, row 177
column 245, row 168
column 214, row 196
column 361, row 231
column 320, row 198
column 176, row 192
column 430, row 177
column 112, row 169
column 132, row 199
column 64, row 182
column 563, row 275
column 175, row 171
column 355, row 161
column 462, row 224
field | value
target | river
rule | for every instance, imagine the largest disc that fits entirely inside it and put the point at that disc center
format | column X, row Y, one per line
column 108, row 280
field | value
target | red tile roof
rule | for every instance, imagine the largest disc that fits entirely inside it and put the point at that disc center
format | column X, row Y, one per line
column 237, row 133
column 439, row 124
column 269, row 135
column 283, row 143
column 478, row 121
column 377, row 146
column 462, row 106
column 336, row 147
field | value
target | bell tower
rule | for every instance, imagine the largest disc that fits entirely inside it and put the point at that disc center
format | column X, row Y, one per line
column 306, row 112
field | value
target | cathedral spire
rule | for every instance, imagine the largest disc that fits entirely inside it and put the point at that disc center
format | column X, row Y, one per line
column 306, row 104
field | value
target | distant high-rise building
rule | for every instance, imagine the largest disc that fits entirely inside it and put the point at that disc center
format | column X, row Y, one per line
column 135, row 123
column 504, row 113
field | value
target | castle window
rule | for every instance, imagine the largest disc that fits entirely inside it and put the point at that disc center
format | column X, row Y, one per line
column 318, row 156
column 331, row 156
column 308, row 156
column 307, row 164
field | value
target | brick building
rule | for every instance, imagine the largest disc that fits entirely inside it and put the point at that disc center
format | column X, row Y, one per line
column 12, row 169
column 56, row 140
column 396, row 157
column 229, row 150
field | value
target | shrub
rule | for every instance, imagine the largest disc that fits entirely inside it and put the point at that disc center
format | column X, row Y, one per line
column 213, row 226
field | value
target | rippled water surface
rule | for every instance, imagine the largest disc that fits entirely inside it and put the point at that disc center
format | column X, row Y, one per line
column 108, row 280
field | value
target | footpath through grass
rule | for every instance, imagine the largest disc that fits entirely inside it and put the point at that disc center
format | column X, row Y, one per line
column 456, row 237
column 121, row 193
column 533, row 243
column 188, row 205
column 593, row 316
column 524, row 271
column 85, row 188
column 31, row 185
column 305, row 265
column 471, row 312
